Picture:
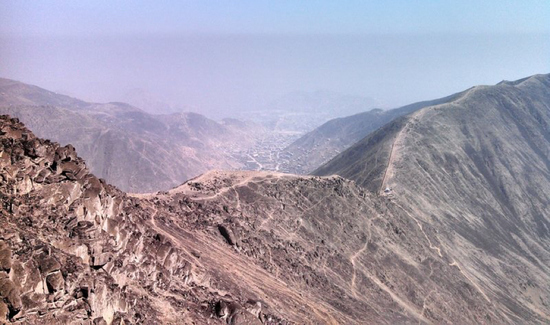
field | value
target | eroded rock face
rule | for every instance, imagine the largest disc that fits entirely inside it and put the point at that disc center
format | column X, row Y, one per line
column 66, row 236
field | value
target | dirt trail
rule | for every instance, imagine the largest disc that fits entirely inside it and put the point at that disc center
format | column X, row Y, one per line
column 397, row 144
column 389, row 168
column 405, row 305
column 352, row 260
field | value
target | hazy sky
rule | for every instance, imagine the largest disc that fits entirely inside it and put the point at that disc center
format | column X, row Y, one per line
column 229, row 55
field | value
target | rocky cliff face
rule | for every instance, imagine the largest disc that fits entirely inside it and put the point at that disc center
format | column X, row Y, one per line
column 63, row 230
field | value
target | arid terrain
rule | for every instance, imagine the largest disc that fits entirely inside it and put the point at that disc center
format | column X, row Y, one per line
column 462, row 237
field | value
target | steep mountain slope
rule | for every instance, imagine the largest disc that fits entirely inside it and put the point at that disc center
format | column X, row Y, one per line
column 325, row 142
column 74, row 249
column 226, row 247
column 134, row 150
column 477, row 169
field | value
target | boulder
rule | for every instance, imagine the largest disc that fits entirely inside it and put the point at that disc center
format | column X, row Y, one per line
column 55, row 282
column 48, row 264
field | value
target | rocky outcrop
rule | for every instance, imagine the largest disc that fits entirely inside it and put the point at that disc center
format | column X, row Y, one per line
column 74, row 249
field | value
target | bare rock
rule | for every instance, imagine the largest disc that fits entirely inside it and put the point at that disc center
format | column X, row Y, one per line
column 225, row 309
column 55, row 282
column 243, row 317
column 99, row 321
column 228, row 235
column 4, row 312
column 48, row 264
column 10, row 294
column 5, row 256
column 254, row 307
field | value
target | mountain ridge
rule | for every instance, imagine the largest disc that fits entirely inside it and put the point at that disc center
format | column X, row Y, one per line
column 462, row 237
column 320, row 145
column 477, row 165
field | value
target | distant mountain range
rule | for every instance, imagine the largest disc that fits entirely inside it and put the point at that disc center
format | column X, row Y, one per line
column 136, row 151
column 165, row 149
